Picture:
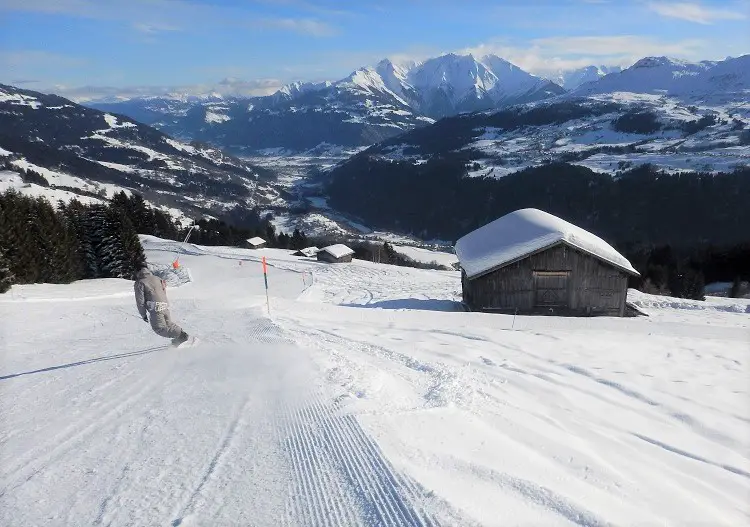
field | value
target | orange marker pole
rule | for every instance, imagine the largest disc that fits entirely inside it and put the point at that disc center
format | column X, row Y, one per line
column 265, row 279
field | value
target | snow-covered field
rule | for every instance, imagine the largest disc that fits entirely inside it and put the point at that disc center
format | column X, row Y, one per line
column 365, row 398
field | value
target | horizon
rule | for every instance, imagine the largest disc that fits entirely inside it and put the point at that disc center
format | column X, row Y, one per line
column 87, row 50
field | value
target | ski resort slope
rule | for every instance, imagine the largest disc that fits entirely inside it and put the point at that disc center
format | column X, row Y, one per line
column 365, row 398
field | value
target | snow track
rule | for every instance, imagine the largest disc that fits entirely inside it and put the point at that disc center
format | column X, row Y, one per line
column 341, row 477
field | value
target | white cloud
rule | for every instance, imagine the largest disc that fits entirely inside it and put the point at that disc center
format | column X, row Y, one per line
column 694, row 12
column 546, row 55
column 228, row 87
column 154, row 16
column 303, row 26
column 152, row 29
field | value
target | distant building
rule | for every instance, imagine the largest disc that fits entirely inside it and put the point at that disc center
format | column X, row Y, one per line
column 532, row 262
column 308, row 252
column 335, row 254
column 256, row 243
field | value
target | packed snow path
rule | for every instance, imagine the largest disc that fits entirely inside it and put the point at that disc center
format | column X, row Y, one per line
column 365, row 401
column 109, row 430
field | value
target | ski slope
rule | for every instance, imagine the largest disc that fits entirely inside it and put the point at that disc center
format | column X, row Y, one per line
column 365, row 398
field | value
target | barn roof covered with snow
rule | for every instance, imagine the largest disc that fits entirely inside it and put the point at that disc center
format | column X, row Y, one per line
column 524, row 232
column 338, row 251
column 308, row 251
column 256, row 241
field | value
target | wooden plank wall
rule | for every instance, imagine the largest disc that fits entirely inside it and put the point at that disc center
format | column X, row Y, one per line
column 593, row 284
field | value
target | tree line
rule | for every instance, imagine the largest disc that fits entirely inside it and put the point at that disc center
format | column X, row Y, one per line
column 41, row 243
column 684, row 271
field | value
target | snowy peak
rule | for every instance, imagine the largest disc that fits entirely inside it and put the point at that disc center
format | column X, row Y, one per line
column 572, row 79
column 654, row 75
column 443, row 85
column 295, row 89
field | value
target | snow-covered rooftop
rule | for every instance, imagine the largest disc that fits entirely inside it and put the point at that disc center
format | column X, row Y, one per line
column 338, row 251
column 256, row 241
column 310, row 251
column 523, row 232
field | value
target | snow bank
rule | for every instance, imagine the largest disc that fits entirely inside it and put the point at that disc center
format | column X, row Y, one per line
column 729, row 305
column 419, row 254
column 523, row 232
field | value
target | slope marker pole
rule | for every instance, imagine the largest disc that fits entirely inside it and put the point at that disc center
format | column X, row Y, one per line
column 265, row 279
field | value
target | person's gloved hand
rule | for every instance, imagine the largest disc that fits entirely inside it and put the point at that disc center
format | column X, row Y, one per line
column 145, row 318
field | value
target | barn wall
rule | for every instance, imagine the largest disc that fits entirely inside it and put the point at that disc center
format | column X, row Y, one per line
column 592, row 285
column 327, row 257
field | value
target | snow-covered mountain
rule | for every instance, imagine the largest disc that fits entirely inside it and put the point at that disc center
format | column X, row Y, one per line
column 573, row 155
column 73, row 151
column 572, row 79
column 655, row 75
column 369, row 105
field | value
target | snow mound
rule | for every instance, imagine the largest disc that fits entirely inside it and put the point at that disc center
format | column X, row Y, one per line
column 523, row 232
column 728, row 305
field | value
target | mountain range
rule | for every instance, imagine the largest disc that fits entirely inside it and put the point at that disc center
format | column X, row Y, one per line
column 376, row 103
column 416, row 174
column 369, row 105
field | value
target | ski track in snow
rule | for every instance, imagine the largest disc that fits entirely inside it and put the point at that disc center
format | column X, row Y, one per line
column 342, row 477
column 71, row 437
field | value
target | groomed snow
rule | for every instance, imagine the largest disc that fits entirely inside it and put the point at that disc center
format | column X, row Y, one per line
column 338, row 250
column 365, row 399
column 524, row 232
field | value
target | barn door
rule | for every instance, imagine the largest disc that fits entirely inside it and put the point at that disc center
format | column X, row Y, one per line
column 551, row 288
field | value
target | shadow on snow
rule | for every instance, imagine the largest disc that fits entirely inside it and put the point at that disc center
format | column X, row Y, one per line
column 84, row 362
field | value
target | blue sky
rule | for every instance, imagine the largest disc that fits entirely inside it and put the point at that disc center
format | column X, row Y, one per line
column 257, row 45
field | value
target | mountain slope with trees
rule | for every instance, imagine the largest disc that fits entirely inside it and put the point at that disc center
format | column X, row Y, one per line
column 76, row 147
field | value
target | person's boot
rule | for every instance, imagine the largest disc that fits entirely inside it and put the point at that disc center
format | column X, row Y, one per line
column 180, row 339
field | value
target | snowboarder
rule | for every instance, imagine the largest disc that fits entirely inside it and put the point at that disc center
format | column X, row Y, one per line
column 151, row 298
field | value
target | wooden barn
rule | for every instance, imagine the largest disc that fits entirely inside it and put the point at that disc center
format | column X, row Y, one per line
column 532, row 262
column 338, row 253
column 256, row 243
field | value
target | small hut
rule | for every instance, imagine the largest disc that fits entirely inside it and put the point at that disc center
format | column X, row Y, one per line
column 532, row 262
column 256, row 243
column 338, row 253
column 307, row 252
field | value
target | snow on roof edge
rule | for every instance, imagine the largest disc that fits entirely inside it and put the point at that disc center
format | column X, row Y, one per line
column 524, row 232
column 338, row 250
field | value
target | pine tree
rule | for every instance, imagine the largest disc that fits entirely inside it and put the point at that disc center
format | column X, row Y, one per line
column 299, row 240
column 6, row 276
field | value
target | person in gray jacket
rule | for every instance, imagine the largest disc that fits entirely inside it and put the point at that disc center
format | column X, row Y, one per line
column 151, row 298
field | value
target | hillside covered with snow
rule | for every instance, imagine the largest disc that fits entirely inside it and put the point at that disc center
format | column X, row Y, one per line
column 367, row 397
column 68, row 149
